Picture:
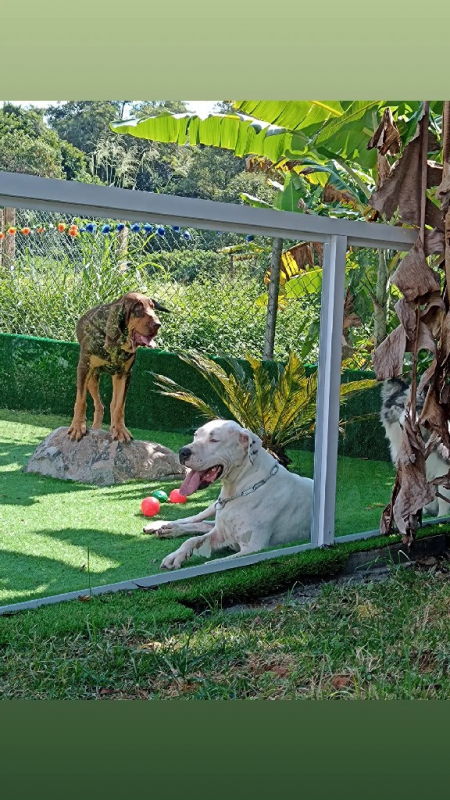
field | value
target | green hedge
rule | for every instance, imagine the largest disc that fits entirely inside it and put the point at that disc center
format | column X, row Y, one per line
column 40, row 375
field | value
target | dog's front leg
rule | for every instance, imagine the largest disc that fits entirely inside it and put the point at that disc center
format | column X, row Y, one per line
column 99, row 408
column 181, row 527
column 196, row 546
column 120, row 387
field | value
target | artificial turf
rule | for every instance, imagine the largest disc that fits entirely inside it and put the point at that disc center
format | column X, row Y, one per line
column 58, row 536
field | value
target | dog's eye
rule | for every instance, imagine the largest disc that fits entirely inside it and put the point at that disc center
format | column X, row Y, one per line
column 214, row 440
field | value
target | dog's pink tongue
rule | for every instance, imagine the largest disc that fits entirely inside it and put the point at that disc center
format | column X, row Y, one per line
column 144, row 341
column 190, row 483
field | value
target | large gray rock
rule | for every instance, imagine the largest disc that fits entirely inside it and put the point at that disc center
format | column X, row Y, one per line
column 99, row 459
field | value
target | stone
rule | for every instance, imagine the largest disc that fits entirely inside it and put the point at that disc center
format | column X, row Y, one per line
column 101, row 460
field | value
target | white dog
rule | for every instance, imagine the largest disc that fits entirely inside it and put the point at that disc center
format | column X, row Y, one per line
column 261, row 504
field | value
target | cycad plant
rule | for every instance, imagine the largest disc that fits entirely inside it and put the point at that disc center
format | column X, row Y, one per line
column 279, row 405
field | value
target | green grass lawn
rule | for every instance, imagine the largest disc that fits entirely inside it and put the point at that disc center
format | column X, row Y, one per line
column 377, row 641
column 58, row 536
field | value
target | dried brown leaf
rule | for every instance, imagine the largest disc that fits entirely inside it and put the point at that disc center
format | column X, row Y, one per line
column 406, row 313
column 318, row 247
column 402, row 189
column 386, row 137
column 426, row 377
column 425, row 341
column 302, row 255
column 414, row 277
column 443, row 193
column 444, row 343
column 341, row 681
column 332, row 195
column 434, row 418
column 434, row 217
column 387, row 359
column 383, row 170
column 415, row 491
column 427, row 561
column 434, row 242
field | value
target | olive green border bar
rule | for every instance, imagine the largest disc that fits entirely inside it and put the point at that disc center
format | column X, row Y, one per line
column 203, row 50
column 322, row 748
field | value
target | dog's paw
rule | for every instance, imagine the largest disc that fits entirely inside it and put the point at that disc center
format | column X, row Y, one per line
column 121, row 433
column 76, row 431
column 158, row 528
column 174, row 560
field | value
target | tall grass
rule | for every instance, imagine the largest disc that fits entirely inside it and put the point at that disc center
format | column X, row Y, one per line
column 214, row 310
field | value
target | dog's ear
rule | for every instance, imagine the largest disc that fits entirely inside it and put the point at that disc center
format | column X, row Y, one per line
column 159, row 307
column 115, row 324
column 251, row 442
column 133, row 308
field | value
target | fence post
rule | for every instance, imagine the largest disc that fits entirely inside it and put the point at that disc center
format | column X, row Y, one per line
column 122, row 247
column 272, row 302
column 328, row 391
column 9, row 242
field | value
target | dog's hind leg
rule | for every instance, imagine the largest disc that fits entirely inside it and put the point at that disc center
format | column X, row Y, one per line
column 78, row 425
column 99, row 408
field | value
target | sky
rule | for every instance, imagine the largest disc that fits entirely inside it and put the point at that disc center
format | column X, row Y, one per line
column 200, row 107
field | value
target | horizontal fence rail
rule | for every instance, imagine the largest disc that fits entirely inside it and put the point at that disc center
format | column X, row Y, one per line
column 47, row 194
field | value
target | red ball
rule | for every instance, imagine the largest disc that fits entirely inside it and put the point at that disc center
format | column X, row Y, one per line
column 176, row 497
column 150, row 506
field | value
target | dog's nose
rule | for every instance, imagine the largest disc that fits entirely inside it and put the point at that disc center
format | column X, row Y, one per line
column 184, row 453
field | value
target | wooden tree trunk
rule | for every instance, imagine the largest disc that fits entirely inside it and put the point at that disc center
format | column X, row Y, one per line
column 381, row 300
column 9, row 242
column 272, row 304
column 446, row 173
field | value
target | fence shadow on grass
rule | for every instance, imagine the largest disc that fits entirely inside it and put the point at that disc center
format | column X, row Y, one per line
column 24, row 576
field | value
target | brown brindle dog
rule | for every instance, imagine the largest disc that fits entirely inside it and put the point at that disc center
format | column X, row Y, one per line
column 109, row 336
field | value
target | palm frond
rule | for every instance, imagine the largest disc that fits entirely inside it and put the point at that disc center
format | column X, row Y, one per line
column 281, row 408
column 356, row 386
column 169, row 388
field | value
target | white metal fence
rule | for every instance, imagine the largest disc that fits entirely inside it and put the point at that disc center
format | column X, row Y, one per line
column 87, row 201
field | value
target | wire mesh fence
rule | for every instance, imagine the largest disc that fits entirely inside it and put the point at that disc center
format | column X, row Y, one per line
column 53, row 268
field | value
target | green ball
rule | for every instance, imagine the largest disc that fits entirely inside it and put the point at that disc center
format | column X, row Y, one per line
column 160, row 495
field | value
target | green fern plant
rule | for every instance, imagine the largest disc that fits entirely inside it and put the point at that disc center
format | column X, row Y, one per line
column 280, row 408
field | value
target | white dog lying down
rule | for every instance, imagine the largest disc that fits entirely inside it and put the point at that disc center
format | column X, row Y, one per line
column 260, row 505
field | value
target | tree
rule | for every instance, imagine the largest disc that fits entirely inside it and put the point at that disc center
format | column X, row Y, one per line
column 82, row 123
column 28, row 145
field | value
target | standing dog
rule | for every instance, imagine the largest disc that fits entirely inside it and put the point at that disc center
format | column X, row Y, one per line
column 395, row 395
column 261, row 504
column 109, row 336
